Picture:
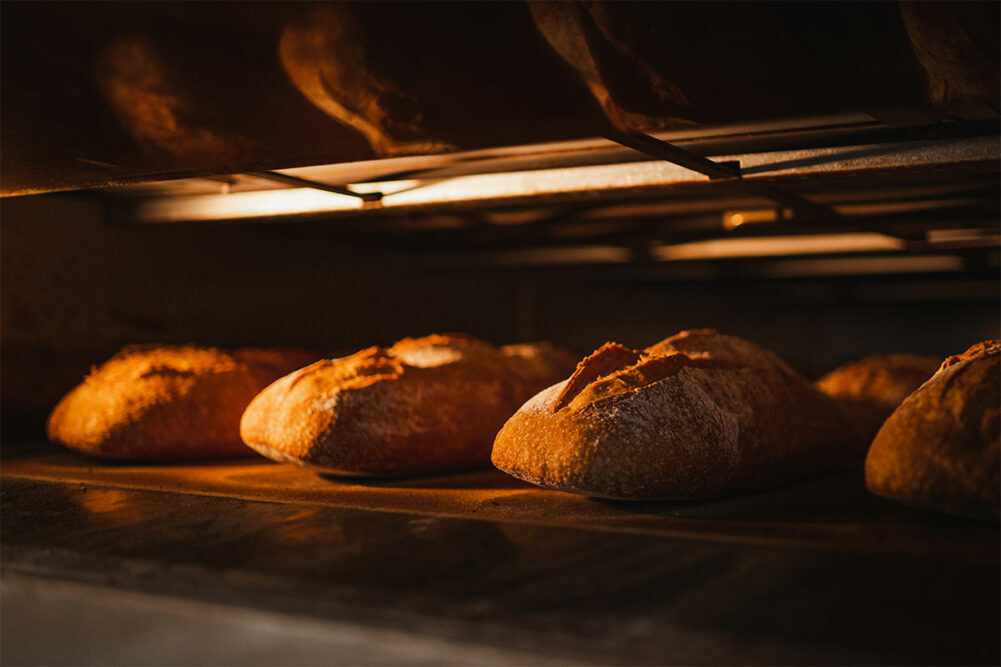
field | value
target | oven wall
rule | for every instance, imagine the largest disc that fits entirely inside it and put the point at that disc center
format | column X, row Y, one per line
column 75, row 289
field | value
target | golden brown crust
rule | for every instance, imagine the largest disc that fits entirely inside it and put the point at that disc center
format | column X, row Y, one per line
column 869, row 390
column 165, row 402
column 983, row 348
column 940, row 448
column 538, row 365
column 422, row 405
column 603, row 361
column 274, row 362
column 698, row 415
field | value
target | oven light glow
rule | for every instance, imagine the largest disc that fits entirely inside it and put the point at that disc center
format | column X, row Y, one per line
column 386, row 187
column 779, row 245
column 261, row 204
column 479, row 188
column 860, row 265
column 446, row 183
column 734, row 219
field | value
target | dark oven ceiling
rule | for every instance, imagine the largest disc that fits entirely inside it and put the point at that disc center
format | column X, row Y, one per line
column 96, row 94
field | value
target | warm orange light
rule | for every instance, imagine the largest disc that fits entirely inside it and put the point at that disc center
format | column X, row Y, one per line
column 779, row 245
column 734, row 219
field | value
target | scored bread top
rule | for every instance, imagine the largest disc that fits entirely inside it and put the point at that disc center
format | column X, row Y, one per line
column 697, row 415
column 167, row 401
column 615, row 369
column 987, row 348
column 421, row 405
column 941, row 448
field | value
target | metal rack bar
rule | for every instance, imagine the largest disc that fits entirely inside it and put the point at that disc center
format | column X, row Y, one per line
column 644, row 143
column 928, row 168
column 295, row 181
column 802, row 205
column 664, row 150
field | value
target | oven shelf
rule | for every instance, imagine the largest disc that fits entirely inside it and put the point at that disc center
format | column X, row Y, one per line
column 830, row 513
column 814, row 573
column 592, row 177
column 824, row 186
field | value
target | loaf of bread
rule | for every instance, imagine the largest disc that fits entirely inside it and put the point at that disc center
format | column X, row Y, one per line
column 940, row 448
column 538, row 365
column 868, row 391
column 423, row 405
column 163, row 402
column 698, row 415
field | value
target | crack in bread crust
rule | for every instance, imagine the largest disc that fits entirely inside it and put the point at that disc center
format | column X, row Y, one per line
column 698, row 415
column 604, row 361
column 614, row 369
column 985, row 348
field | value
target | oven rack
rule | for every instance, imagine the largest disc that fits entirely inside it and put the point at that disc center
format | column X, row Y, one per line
column 831, row 186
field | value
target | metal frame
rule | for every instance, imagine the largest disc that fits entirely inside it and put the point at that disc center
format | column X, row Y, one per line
column 664, row 150
column 766, row 177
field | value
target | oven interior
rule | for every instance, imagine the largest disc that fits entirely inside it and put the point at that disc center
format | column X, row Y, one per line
column 839, row 208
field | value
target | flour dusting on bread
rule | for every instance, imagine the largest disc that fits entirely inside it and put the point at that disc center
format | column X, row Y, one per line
column 697, row 415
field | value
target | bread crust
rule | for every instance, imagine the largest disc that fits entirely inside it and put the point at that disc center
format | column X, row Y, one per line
column 164, row 402
column 941, row 448
column 422, row 405
column 538, row 365
column 698, row 415
column 869, row 390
